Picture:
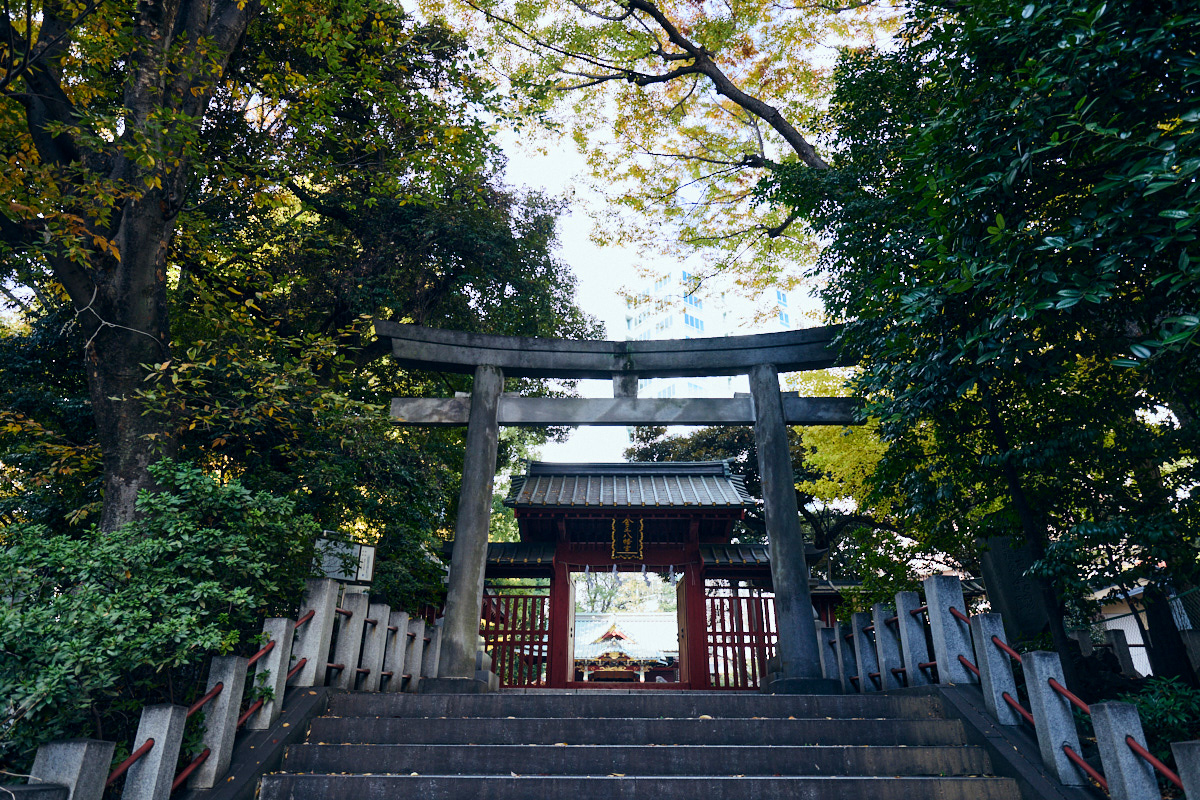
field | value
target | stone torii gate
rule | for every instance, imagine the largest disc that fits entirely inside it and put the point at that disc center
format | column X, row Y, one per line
column 491, row 358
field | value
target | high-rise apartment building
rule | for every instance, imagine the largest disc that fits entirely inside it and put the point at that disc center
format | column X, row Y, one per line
column 669, row 308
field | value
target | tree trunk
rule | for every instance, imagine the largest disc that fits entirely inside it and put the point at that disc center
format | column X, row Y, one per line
column 1035, row 536
column 1167, row 653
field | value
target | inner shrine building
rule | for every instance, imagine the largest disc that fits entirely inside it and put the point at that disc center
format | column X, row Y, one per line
column 675, row 519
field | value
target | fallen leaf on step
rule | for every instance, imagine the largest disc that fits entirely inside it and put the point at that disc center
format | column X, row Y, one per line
column 414, row 774
column 616, row 774
column 704, row 716
column 560, row 744
column 515, row 775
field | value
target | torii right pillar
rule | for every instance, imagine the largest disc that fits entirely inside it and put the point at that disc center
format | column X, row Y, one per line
column 797, row 648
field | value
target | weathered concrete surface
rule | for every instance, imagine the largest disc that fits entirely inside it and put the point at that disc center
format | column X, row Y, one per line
column 887, row 646
column 912, row 637
column 1187, row 759
column 865, row 653
column 150, row 777
column 81, row 765
column 951, row 636
column 797, row 643
column 374, row 646
column 1129, row 776
column 274, row 667
column 220, row 718
column 260, row 752
column 349, row 640
column 457, row 351
column 609, row 704
column 552, row 730
column 637, row 759
column 311, row 640
column 995, row 668
column 523, row 787
column 460, row 629
column 1053, row 720
column 622, row 411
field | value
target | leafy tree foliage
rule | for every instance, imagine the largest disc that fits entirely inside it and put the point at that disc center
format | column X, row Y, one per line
column 1011, row 215
column 681, row 107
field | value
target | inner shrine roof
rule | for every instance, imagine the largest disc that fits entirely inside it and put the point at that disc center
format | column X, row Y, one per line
column 659, row 484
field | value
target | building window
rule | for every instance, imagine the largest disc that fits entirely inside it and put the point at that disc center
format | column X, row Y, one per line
column 693, row 301
column 781, row 296
column 783, row 318
column 667, row 392
column 694, row 322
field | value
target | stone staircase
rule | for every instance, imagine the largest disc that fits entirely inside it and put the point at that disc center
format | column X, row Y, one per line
column 603, row 745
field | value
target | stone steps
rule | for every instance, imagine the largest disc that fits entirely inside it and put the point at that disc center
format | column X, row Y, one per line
column 638, row 759
column 648, row 703
column 462, row 787
column 636, row 730
column 652, row 744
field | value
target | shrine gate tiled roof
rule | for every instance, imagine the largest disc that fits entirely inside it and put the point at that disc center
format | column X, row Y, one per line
column 659, row 484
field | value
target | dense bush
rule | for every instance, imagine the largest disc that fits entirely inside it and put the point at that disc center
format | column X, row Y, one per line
column 1170, row 712
column 97, row 625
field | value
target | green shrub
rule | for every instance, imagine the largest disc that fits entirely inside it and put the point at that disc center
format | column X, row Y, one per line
column 97, row 625
column 1170, row 712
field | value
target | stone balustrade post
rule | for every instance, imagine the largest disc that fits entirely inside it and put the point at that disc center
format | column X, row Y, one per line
column 951, row 636
column 311, row 640
column 1129, row 776
column 374, row 645
column 1053, row 722
column 415, row 654
column 220, row 718
column 397, row 647
column 273, row 667
column 864, row 651
column 1120, row 647
column 430, row 661
column 1187, row 764
column 830, row 666
column 913, row 645
column 995, row 668
column 845, row 657
column 150, row 777
column 349, row 639
column 79, row 764
column 887, row 646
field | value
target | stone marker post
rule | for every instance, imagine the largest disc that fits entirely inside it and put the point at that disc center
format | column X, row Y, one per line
column 995, row 668
column 1187, row 761
column 220, row 719
column 865, row 654
column 274, row 666
column 887, row 646
column 912, row 638
column 799, row 657
column 79, row 764
column 1052, row 719
column 374, row 646
column 397, row 649
column 460, row 631
column 1130, row 777
column 150, row 777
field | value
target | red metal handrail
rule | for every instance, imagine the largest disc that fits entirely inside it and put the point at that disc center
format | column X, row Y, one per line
column 345, row 612
column 363, row 671
column 899, row 670
column 960, row 615
column 1086, row 767
column 370, row 621
column 393, row 628
column 255, row 706
column 1136, row 747
column 1065, row 692
column 869, row 629
column 334, row 666
column 920, row 610
column 268, row 647
column 963, row 660
column 412, row 635
column 848, row 637
column 199, row 704
column 926, row 664
column 305, row 618
column 891, row 620
column 299, row 666
column 127, row 763
column 996, row 641
column 189, row 769
column 1020, row 709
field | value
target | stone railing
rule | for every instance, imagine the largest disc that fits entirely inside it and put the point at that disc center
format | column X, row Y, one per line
column 889, row 648
column 374, row 649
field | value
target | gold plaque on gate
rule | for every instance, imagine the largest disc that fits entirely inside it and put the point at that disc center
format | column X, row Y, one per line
column 627, row 538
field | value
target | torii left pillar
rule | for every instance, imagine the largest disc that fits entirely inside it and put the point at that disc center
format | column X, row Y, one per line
column 460, row 626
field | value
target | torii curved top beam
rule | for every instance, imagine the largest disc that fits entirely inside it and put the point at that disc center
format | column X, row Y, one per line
column 456, row 351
